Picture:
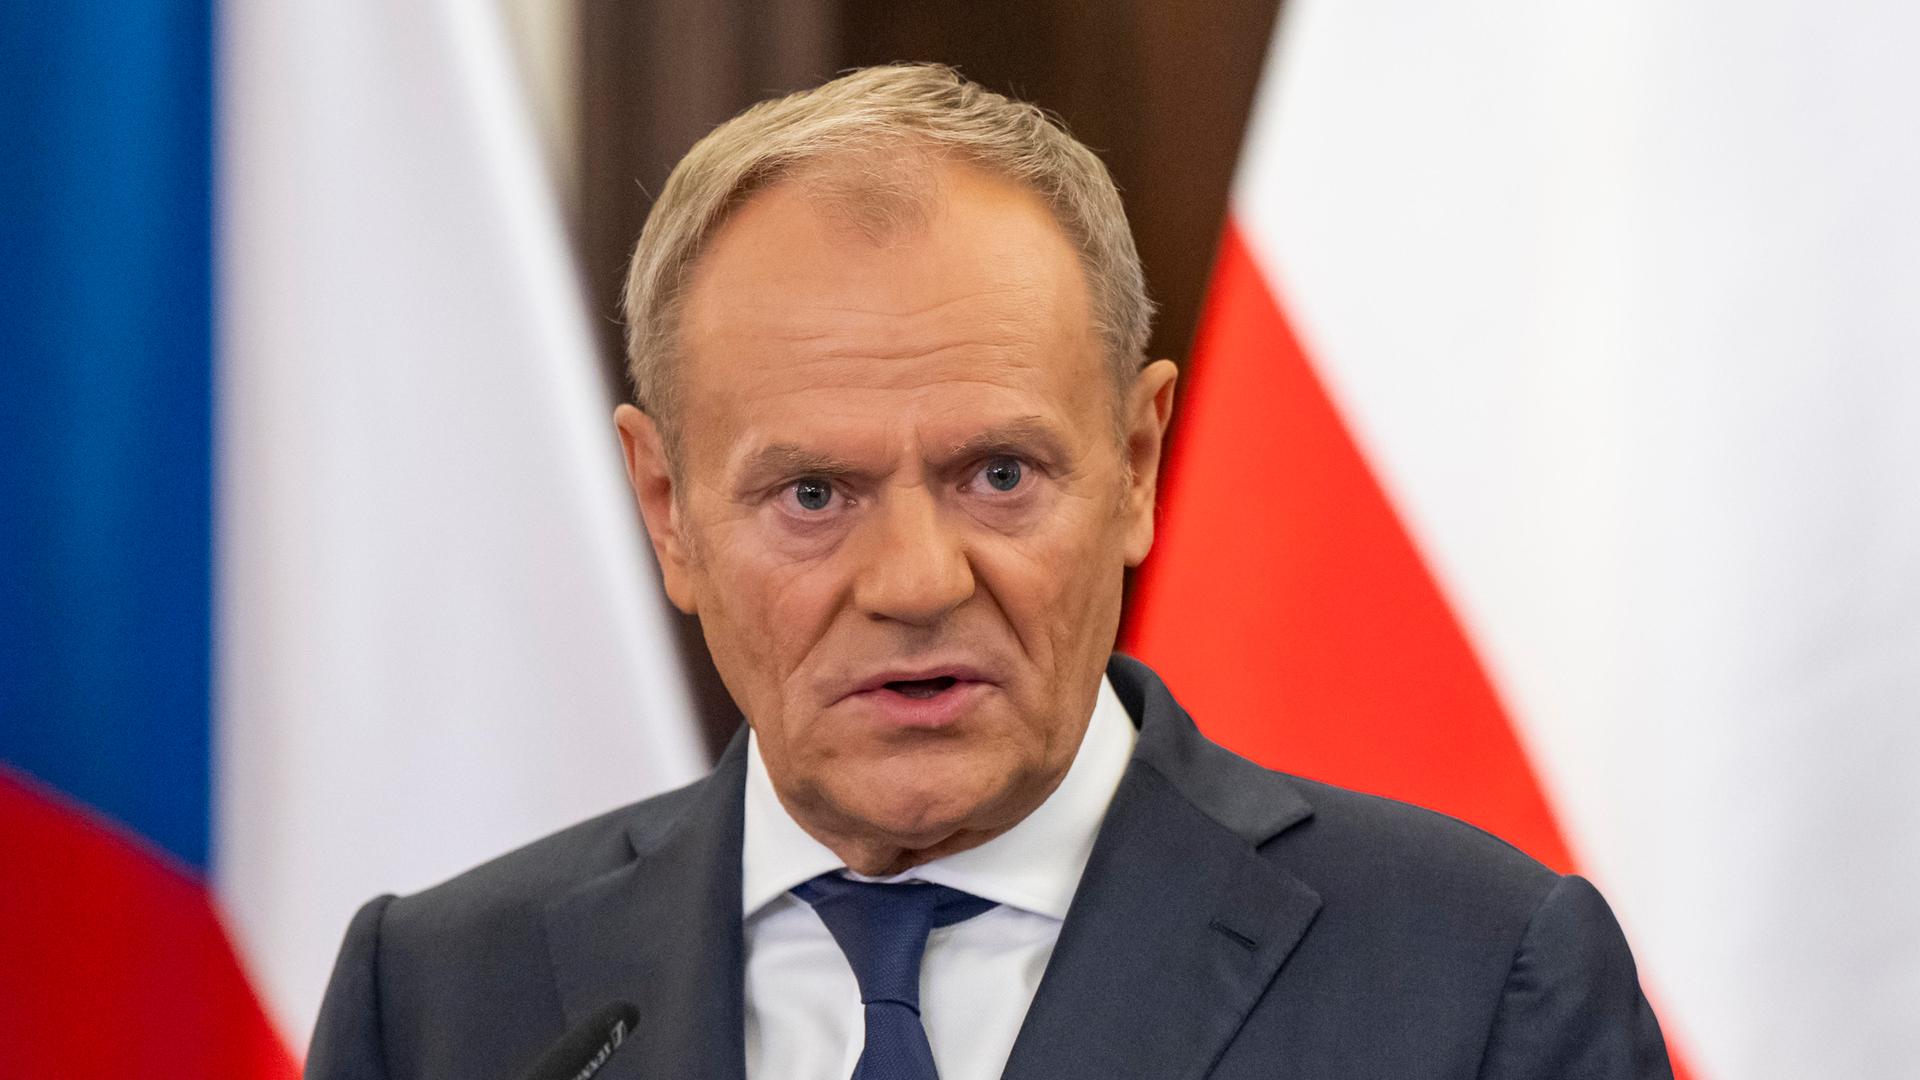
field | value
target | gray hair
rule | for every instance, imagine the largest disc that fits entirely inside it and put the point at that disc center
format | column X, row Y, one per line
column 877, row 114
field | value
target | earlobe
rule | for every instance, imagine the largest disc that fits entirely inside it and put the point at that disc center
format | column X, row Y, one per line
column 652, row 478
column 1150, row 407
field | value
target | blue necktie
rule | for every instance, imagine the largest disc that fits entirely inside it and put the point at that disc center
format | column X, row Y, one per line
column 883, row 930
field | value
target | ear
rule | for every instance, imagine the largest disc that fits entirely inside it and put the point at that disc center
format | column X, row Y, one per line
column 651, row 475
column 1148, row 408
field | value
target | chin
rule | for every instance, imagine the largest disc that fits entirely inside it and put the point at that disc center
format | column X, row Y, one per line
column 917, row 804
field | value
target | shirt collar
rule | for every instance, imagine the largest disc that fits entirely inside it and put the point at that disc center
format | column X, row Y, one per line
column 1034, row 866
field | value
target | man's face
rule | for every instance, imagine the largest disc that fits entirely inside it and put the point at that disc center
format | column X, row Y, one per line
column 901, row 511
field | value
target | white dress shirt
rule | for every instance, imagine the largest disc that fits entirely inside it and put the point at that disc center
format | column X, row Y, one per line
column 804, row 1020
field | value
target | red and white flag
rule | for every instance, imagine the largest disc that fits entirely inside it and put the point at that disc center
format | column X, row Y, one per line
column 1548, row 457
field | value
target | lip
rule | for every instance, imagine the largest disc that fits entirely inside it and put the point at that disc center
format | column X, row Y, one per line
column 959, row 673
column 870, row 697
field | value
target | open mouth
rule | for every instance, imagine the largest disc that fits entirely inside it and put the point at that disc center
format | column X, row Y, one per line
column 924, row 697
column 920, row 689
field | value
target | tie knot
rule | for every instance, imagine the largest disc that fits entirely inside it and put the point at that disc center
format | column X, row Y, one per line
column 882, row 928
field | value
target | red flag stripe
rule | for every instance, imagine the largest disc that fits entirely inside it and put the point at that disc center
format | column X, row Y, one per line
column 1289, row 609
column 115, row 962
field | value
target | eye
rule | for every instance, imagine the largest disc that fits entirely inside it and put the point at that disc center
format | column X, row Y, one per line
column 1002, row 473
column 812, row 493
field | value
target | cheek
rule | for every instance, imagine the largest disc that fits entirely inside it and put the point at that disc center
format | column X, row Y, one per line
column 763, row 613
column 1060, row 585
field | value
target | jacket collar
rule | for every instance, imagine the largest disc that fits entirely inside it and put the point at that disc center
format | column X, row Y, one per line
column 1176, row 907
column 1247, row 800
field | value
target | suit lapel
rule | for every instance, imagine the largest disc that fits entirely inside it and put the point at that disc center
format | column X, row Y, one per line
column 1179, row 925
column 663, row 931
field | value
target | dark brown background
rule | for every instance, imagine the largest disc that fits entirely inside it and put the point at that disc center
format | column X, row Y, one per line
column 1160, row 87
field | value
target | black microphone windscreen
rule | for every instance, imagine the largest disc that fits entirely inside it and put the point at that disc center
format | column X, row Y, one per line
column 581, row 1052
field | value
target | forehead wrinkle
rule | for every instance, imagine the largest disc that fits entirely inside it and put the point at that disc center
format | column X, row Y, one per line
column 986, row 358
column 927, row 330
column 829, row 374
column 934, row 308
column 788, row 354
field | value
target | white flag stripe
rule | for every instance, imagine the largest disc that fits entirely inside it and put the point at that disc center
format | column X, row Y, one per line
column 439, row 633
column 1619, row 301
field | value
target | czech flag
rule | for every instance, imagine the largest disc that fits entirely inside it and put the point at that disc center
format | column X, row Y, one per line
column 1550, row 457
column 318, row 575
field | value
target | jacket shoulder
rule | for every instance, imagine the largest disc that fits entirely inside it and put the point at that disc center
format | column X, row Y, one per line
column 462, row 972
column 1368, row 845
column 524, row 880
column 1332, row 838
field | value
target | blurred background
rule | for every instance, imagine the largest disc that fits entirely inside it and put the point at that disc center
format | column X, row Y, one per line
column 1544, row 454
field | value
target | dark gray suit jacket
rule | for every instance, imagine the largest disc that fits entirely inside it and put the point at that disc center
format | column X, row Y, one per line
column 1233, row 923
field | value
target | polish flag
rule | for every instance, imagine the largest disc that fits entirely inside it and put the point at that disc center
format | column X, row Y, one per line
column 1549, row 458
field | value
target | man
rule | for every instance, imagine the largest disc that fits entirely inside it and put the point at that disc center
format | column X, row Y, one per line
column 896, row 446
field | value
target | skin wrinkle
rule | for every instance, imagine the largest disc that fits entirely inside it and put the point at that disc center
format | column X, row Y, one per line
column 824, row 348
column 926, row 309
column 894, row 371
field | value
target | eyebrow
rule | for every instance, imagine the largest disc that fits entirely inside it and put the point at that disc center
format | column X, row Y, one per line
column 786, row 459
column 1029, row 435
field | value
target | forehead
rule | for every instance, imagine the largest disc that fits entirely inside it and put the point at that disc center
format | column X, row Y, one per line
column 977, row 300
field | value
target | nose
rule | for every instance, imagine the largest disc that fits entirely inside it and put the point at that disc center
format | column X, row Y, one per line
column 916, row 568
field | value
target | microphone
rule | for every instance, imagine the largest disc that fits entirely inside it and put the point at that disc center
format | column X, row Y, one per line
column 580, row 1052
